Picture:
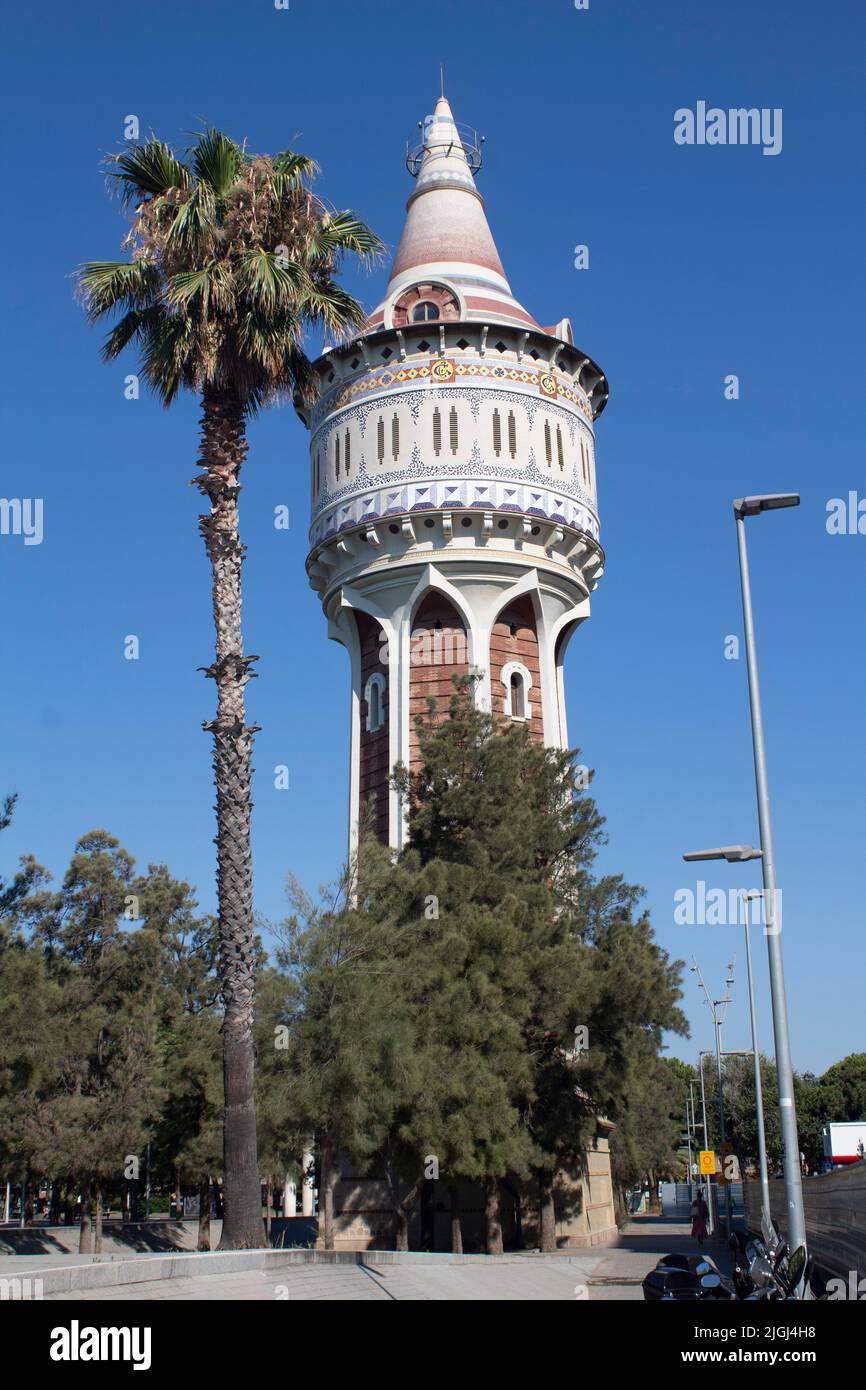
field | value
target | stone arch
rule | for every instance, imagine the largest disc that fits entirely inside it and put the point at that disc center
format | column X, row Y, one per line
column 438, row 651
column 374, row 763
column 514, row 646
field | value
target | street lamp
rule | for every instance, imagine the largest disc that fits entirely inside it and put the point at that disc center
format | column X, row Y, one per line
column 738, row 854
column 735, row 854
column 744, row 507
column 710, row 1185
column 717, row 1031
column 759, row 1093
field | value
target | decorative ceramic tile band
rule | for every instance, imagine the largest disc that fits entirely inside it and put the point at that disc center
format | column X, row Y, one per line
column 521, row 499
column 441, row 371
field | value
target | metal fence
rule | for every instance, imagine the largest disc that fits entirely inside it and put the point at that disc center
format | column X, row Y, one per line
column 835, row 1206
column 676, row 1198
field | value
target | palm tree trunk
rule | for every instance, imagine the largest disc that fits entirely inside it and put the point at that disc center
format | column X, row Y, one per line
column 223, row 448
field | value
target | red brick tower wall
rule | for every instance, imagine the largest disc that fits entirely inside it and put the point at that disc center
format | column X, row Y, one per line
column 439, row 650
column 514, row 638
column 375, row 763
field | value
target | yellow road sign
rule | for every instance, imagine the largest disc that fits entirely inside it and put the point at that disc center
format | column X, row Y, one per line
column 708, row 1160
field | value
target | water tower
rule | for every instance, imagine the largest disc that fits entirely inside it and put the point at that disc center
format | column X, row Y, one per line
column 453, row 474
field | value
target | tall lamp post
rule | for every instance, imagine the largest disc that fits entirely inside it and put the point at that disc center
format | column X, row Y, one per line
column 759, row 1092
column 714, row 1005
column 745, row 507
column 711, row 1187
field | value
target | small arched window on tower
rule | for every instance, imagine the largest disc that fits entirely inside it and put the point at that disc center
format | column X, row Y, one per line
column 348, row 456
column 512, row 434
column 548, row 452
column 497, row 434
column 437, row 431
column 452, row 426
column 336, row 456
column 374, row 699
column 559, row 454
column 395, row 437
column 583, row 460
column 425, row 312
column 318, row 472
column 517, row 682
column 380, row 440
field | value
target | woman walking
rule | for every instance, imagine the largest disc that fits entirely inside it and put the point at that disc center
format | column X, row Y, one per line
column 699, row 1212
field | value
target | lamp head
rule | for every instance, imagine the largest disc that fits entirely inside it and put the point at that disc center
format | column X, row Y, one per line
column 734, row 854
column 765, row 502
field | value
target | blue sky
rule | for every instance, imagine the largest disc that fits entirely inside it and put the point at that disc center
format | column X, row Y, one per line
column 704, row 261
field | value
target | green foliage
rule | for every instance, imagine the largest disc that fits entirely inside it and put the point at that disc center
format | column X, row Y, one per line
column 232, row 258
column 108, row 1022
column 436, row 999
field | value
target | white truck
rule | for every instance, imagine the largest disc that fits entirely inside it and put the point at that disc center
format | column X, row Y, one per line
column 845, row 1141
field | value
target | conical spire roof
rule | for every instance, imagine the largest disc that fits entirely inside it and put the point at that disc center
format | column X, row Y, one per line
column 446, row 239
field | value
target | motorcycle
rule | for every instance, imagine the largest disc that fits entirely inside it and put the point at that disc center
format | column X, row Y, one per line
column 764, row 1269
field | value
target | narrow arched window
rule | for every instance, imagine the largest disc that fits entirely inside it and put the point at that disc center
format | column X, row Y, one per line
column 548, row 453
column 559, row 453
column 517, row 682
column 395, row 437
column 336, row 456
column 380, row 440
column 452, row 425
column 512, row 434
column 374, row 698
column 348, row 453
column 518, row 696
column 437, row 431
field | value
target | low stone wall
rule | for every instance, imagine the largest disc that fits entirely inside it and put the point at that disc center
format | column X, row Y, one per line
column 118, row 1238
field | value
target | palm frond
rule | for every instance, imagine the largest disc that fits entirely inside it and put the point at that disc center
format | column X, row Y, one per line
column 329, row 304
column 210, row 283
column 217, row 161
column 292, row 169
column 107, row 285
column 342, row 232
column 137, row 323
column 164, row 358
column 268, row 338
column 151, row 168
column 271, row 279
column 194, row 221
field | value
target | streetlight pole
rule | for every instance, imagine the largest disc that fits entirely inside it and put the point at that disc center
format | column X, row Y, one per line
column 689, row 1144
column 743, row 507
column 711, row 1186
column 759, row 1093
column 717, row 1032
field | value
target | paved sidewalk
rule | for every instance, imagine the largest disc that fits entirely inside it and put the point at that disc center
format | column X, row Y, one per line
column 569, row 1276
column 641, row 1245
column 532, row 1278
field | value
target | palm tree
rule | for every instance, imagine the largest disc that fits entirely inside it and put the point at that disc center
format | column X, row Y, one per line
column 232, row 258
